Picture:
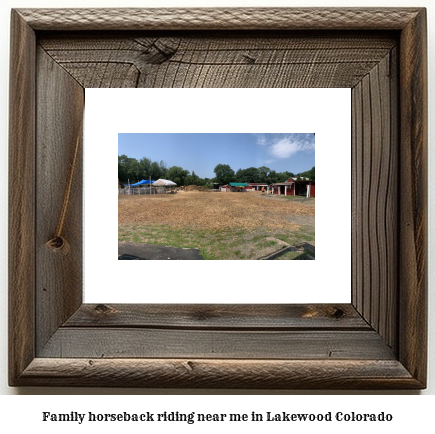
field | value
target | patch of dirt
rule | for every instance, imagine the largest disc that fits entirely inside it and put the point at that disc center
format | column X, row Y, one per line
column 297, row 199
column 302, row 220
column 193, row 188
column 263, row 248
column 217, row 210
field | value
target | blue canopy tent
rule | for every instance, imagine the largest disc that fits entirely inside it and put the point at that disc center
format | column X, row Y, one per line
column 143, row 182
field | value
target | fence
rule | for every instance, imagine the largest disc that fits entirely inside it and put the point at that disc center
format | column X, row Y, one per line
column 139, row 190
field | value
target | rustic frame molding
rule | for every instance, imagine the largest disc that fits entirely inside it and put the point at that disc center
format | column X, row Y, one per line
column 377, row 341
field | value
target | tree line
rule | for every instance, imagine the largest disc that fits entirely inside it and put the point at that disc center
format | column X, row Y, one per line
column 132, row 170
column 224, row 175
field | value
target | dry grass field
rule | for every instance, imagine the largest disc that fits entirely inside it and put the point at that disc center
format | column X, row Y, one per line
column 246, row 225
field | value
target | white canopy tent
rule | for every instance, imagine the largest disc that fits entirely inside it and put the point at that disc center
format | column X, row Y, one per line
column 164, row 183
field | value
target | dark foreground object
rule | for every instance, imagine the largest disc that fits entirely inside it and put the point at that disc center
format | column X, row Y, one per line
column 129, row 258
column 138, row 251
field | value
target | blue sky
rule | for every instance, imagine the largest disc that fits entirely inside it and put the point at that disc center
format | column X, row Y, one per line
column 203, row 152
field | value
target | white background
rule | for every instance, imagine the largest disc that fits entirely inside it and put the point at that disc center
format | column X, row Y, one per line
column 413, row 413
column 325, row 112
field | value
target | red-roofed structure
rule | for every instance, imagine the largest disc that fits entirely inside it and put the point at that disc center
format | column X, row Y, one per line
column 295, row 187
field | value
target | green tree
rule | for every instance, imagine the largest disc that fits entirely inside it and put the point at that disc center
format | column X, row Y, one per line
column 163, row 169
column 122, row 174
column 224, row 174
column 272, row 177
column 177, row 174
column 310, row 174
column 251, row 174
column 155, row 171
column 128, row 169
column 193, row 179
column 144, row 167
column 263, row 174
column 284, row 176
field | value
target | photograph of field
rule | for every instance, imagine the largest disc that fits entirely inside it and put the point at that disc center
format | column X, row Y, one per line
column 255, row 213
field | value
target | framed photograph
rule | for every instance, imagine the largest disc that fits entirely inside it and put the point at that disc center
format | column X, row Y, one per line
column 231, row 231
column 377, row 341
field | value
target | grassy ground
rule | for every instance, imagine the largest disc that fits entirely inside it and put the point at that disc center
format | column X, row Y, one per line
column 217, row 244
column 220, row 225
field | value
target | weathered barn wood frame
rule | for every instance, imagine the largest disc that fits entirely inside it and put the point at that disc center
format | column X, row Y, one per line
column 377, row 341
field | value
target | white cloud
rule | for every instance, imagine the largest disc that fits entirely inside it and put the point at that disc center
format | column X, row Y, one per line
column 283, row 146
column 261, row 139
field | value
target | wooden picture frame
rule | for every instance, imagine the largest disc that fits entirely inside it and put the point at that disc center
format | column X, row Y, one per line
column 376, row 342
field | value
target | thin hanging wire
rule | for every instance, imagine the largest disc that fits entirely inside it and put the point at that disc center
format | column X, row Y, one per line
column 58, row 244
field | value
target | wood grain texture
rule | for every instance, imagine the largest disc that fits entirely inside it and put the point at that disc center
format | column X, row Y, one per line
column 59, row 280
column 235, row 60
column 220, row 317
column 21, row 198
column 220, row 18
column 95, row 342
column 229, row 374
column 375, row 198
column 379, row 342
column 413, row 199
